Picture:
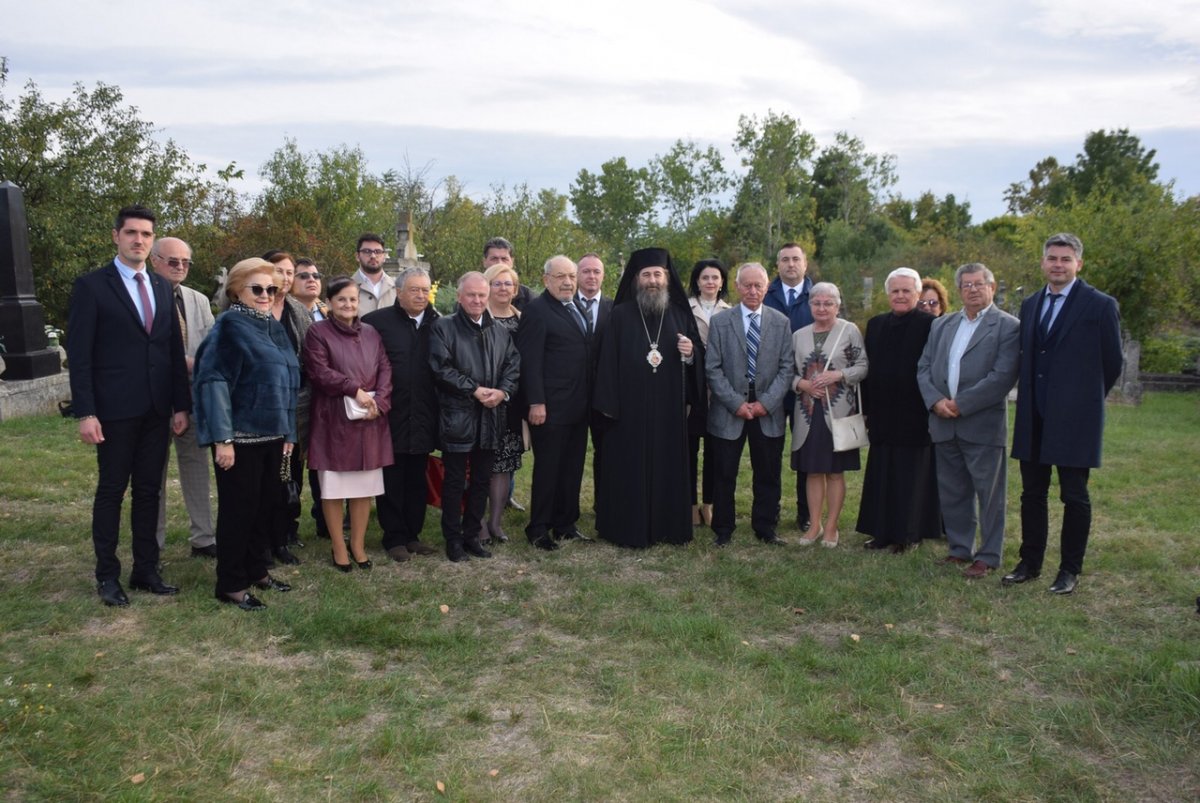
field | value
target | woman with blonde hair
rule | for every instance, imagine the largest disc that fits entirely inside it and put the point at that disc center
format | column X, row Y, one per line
column 503, row 287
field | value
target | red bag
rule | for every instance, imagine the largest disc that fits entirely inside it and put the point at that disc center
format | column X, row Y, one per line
column 435, row 475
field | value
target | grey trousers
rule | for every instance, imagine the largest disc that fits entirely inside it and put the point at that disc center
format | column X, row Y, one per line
column 970, row 473
column 194, row 464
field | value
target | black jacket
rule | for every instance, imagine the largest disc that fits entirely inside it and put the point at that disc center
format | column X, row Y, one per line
column 414, row 414
column 464, row 357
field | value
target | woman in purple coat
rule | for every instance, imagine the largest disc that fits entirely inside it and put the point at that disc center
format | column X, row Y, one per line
column 348, row 368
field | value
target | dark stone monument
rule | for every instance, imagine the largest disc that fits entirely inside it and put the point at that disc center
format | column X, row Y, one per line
column 22, row 322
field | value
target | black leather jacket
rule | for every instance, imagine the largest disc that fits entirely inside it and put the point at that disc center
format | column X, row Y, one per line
column 465, row 357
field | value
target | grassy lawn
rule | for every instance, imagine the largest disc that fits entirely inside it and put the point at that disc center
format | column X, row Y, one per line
column 592, row 673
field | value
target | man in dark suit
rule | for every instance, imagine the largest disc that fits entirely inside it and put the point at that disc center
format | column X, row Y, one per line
column 554, row 340
column 789, row 294
column 749, row 367
column 1070, row 359
column 128, row 373
column 965, row 373
column 413, row 419
column 597, row 308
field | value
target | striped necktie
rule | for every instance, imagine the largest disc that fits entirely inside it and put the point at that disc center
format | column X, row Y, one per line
column 753, row 336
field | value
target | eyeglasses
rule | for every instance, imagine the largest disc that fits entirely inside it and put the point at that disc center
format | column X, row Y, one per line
column 933, row 302
column 306, row 275
column 175, row 262
column 502, row 283
column 258, row 290
column 823, row 304
column 418, row 291
column 372, row 252
column 974, row 285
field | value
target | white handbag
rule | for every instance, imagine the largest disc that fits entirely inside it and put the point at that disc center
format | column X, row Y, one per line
column 849, row 432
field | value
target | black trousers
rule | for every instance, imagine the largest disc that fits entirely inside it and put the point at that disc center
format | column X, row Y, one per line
column 401, row 508
column 458, row 526
column 766, row 455
column 133, row 453
column 559, row 452
column 1035, row 515
column 596, row 425
column 249, row 496
column 706, row 474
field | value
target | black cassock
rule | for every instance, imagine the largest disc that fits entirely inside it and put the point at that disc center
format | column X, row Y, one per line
column 642, row 493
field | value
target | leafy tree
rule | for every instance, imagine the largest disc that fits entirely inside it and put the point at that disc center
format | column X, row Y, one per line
column 849, row 182
column 80, row 160
column 688, row 181
column 773, row 202
column 614, row 204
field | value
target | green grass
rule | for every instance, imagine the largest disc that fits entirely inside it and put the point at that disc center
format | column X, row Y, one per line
column 602, row 674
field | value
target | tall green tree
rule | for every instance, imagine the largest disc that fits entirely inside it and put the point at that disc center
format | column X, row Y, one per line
column 849, row 182
column 78, row 161
column 774, row 202
column 687, row 182
column 614, row 205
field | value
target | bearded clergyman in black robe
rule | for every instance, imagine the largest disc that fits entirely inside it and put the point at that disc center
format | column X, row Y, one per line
column 651, row 370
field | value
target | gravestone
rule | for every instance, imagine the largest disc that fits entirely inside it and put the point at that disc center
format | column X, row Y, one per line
column 22, row 321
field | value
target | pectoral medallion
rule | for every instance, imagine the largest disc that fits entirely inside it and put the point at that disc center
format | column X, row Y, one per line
column 654, row 357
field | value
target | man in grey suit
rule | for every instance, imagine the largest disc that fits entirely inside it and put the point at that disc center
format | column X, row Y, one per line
column 965, row 373
column 171, row 259
column 749, row 367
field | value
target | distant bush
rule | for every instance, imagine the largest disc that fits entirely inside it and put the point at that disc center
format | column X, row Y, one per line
column 1172, row 353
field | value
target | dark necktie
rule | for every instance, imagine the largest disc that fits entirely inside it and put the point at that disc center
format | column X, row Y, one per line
column 147, row 310
column 1044, row 329
column 579, row 319
column 752, row 340
column 792, row 297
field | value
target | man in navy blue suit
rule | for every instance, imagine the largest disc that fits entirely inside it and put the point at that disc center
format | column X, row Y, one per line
column 555, row 342
column 789, row 294
column 1070, row 359
column 128, row 374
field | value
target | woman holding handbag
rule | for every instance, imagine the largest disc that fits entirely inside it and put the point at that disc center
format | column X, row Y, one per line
column 830, row 363
column 351, row 378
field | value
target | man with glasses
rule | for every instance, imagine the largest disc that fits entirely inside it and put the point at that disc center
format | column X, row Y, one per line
column 376, row 290
column 965, row 373
column 171, row 259
column 413, row 420
column 306, row 288
column 129, row 390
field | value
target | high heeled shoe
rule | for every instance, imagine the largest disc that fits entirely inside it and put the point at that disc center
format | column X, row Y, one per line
column 830, row 542
column 809, row 540
column 364, row 564
column 344, row 568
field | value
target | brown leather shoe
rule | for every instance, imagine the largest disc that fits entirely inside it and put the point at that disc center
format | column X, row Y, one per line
column 954, row 561
column 399, row 554
column 977, row 570
column 420, row 548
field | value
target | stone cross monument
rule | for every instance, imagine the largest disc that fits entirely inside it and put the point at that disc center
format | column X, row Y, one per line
column 22, row 321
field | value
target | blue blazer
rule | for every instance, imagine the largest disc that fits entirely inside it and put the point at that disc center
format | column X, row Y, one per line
column 1071, row 372
column 799, row 315
column 117, row 369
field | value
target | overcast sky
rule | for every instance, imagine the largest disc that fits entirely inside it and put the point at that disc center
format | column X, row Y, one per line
column 967, row 96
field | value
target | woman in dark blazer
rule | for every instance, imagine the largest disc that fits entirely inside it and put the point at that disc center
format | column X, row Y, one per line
column 246, row 382
column 345, row 359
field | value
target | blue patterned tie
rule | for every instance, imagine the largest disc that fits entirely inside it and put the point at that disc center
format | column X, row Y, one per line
column 1044, row 327
column 752, row 340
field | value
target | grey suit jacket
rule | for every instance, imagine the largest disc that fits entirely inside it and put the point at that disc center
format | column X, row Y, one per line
column 198, row 312
column 725, row 369
column 987, row 372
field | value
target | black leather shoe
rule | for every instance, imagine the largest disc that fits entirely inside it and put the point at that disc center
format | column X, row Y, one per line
column 1064, row 584
column 722, row 540
column 154, row 585
column 209, row 551
column 875, row 543
column 1022, row 574
column 454, row 551
column 572, row 534
column 771, row 538
column 294, row 540
column 271, row 584
column 472, row 547
column 248, row 602
column 111, row 593
column 344, row 568
column 803, row 522
column 546, row 542
column 284, row 555
column 364, row 564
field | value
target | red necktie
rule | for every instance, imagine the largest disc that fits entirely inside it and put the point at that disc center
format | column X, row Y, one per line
column 147, row 311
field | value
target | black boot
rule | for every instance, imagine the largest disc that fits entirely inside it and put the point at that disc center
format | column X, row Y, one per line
column 454, row 551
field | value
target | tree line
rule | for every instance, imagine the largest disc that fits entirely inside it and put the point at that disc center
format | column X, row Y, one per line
column 80, row 159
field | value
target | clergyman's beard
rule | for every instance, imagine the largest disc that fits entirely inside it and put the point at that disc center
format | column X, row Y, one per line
column 653, row 300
